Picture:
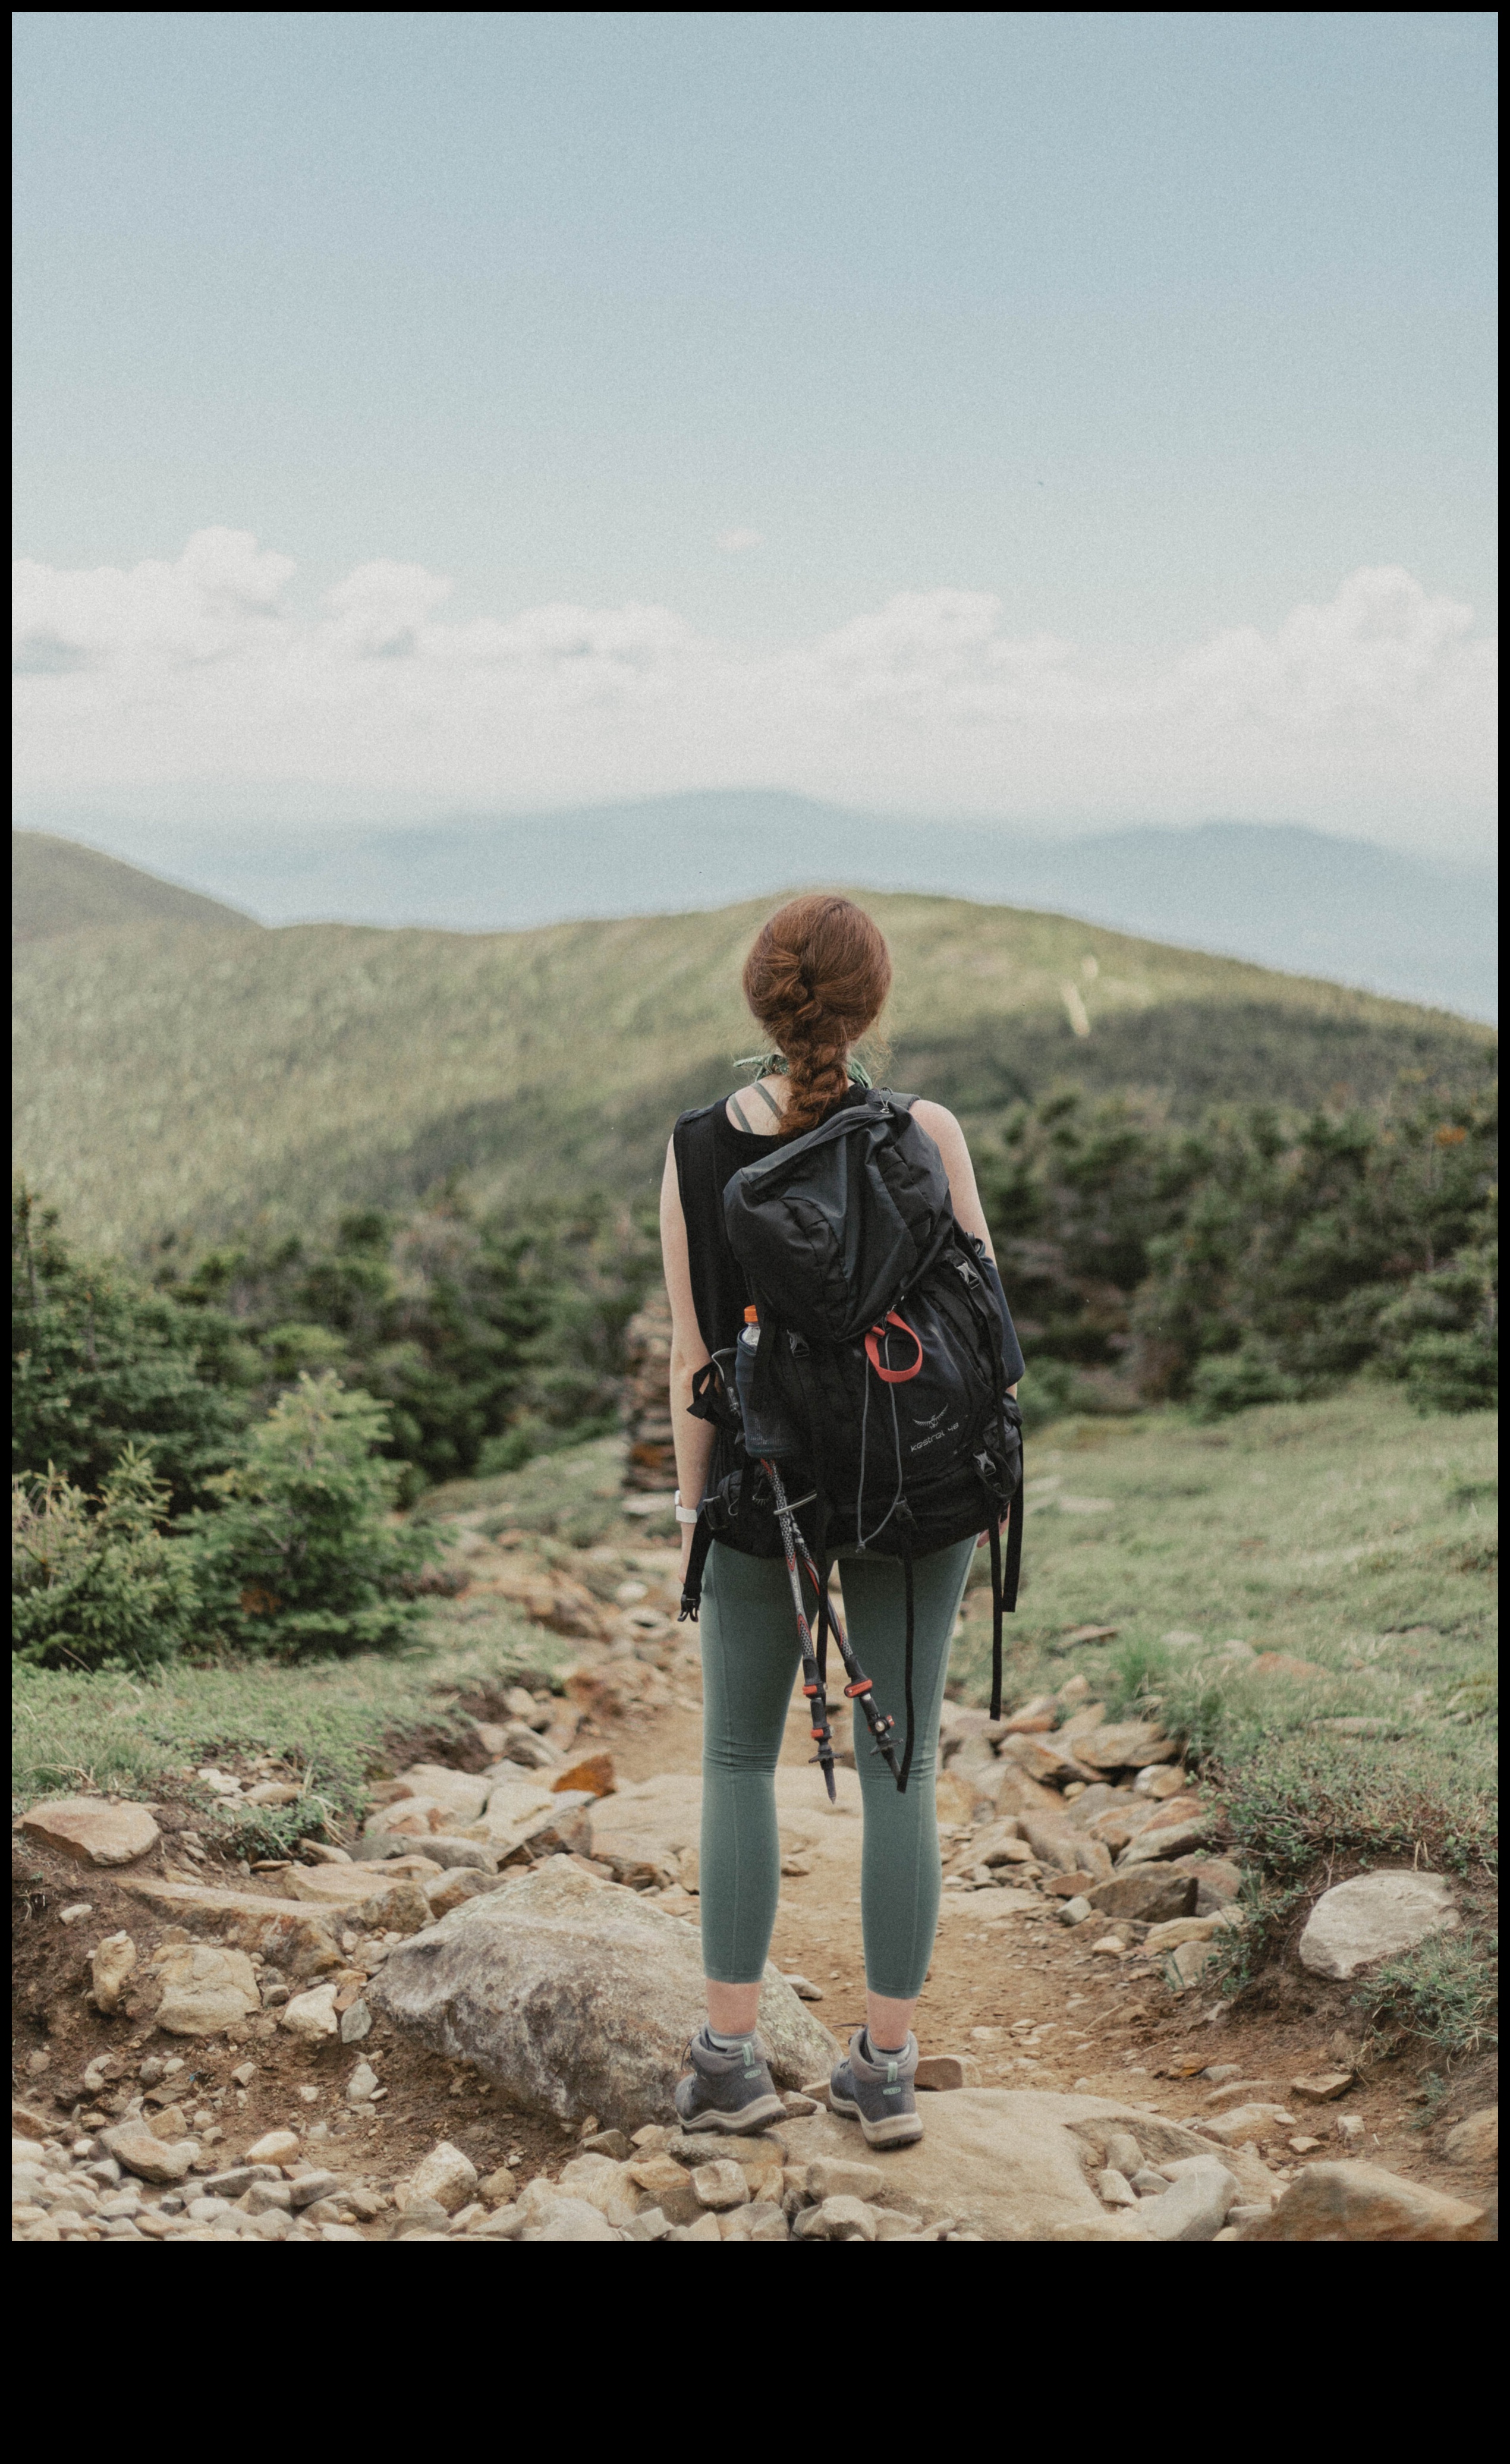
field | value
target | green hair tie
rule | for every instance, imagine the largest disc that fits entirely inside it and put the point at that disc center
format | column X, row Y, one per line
column 774, row 1065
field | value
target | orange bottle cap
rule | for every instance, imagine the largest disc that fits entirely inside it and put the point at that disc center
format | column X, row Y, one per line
column 752, row 1316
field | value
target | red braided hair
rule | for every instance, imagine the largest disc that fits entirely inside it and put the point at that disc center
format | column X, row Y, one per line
column 816, row 977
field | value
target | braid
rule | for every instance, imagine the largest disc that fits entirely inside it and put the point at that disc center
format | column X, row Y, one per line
column 815, row 978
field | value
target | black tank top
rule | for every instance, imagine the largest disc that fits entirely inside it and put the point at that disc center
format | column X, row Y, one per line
column 709, row 1151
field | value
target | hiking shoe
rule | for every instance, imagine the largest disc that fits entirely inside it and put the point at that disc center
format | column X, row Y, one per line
column 878, row 2092
column 731, row 2091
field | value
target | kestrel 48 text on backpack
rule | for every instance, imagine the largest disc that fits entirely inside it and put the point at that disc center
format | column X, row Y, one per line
column 843, row 1373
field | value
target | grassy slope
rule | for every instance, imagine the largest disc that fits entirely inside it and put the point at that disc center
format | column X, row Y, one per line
column 57, row 887
column 177, row 1077
column 1344, row 1533
column 1348, row 1534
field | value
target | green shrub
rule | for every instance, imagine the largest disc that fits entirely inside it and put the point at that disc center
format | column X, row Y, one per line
column 1234, row 1381
column 490, row 1338
column 1441, row 1335
column 303, row 1555
column 96, row 1584
column 100, row 1361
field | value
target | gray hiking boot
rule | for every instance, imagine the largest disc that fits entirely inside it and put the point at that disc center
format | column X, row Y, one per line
column 878, row 2092
column 731, row 2091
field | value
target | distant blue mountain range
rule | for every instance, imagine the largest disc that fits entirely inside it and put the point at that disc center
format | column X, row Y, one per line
column 1286, row 897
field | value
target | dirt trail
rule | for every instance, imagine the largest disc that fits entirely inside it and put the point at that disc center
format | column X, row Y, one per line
column 1023, row 1997
column 1030, row 2002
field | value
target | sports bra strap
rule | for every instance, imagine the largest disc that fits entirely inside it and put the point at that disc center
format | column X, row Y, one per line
column 761, row 1089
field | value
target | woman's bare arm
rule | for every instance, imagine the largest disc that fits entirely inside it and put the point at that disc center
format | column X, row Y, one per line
column 693, row 1439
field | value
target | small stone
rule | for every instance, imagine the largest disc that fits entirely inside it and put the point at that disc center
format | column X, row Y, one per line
column 1190, row 1962
column 312, row 2016
column 1148, row 2183
column 262, row 2197
column 1303, row 2146
column 1255, row 2122
column 1476, row 2140
column 839, row 2218
column 608, row 2142
column 1150, row 1897
column 1115, row 2189
column 1075, row 1911
column 205, row 1989
column 593, row 1774
column 1122, row 2153
column 1348, row 2129
column 1322, row 2087
column 721, row 2183
column 228, row 2184
column 306, row 2188
column 577, row 2220
column 668, row 2186
column 93, row 1831
column 355, row 2022
column 706, row 2228
column 941, row 2072
column 1374, row 1917
column 135, row 2147
column 445, row 2175
column 606, row 2184
column 275, row 2147
column 1160, row 1780
column 1160, row 1937
column 830, row 2177
column 1110, row 1946
column 454, row 1889
column 425, row 2216
column 79, row 1909
column 363, row 2085
column 1194, row 2206
column 1365, row 2203
column 803, row 1987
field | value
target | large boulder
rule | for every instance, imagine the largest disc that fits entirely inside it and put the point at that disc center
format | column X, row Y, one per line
column 92, row 1830
column 1353, row 2202
column 575, row 1997
column 1020, row 2163
column 1375, row 1916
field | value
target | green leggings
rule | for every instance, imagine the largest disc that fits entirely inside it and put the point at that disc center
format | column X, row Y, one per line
column 750, row 1663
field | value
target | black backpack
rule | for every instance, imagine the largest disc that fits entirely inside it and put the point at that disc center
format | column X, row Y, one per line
column 875, row 1396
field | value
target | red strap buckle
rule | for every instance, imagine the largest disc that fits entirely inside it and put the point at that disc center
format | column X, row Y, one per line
column 875, row 1339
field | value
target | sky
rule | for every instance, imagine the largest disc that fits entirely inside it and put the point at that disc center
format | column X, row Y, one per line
column 1070, row 420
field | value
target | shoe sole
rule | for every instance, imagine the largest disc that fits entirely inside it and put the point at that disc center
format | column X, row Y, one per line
column 750, row 2117
column 900, row 2132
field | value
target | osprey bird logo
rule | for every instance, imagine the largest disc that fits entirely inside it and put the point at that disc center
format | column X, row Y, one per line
column 934, row 1422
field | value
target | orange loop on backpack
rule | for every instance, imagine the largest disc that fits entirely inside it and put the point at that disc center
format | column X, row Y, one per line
column 875, row 1339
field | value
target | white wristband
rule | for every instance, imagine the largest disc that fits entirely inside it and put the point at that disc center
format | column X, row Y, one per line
column 683, row 1513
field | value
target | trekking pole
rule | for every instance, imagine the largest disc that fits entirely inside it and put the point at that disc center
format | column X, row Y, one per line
column 861, row 1688
column 812, row 1677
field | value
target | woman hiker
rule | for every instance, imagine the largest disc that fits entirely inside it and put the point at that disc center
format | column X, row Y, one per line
column 815, row 978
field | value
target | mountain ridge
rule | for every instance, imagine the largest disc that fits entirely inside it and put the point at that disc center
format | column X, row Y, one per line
column 1276, row 895
column 183, row 1078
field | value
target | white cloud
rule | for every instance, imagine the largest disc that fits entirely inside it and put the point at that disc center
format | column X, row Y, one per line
column 734, row 542
column 1371, row 711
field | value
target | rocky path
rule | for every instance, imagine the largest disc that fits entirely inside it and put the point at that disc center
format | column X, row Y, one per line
column 464, row 2023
